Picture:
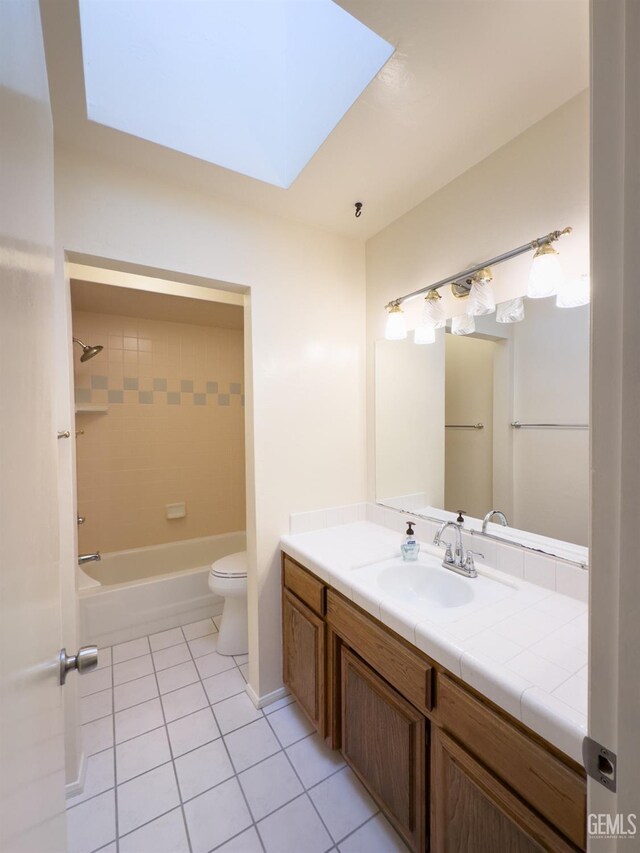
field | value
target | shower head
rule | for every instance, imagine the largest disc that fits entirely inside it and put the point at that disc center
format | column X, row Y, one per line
column 87, row 351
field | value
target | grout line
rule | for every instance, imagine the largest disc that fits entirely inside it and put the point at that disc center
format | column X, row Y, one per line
column 173, row 764
column 115, row 769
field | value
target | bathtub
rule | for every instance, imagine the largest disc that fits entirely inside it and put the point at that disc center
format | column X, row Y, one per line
column 132, row 593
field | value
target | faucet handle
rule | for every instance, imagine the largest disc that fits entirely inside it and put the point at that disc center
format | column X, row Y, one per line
column 470, row 555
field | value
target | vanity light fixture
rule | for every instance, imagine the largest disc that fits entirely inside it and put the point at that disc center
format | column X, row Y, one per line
column 463, row 324
column 482, row 299
column 433, row 313
column 545, row 276
column 545, row 279
column 574, row 292
column 511, row 311
column 396, row 329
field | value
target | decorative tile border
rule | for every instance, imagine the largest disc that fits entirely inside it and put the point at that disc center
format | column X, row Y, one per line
column 160, row 393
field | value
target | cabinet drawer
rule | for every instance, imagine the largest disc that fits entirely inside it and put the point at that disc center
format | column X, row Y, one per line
column 304, row 585
column 408, row 673
column 548, row 785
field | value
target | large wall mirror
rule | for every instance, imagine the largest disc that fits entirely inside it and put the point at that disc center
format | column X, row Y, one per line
column 493, row 420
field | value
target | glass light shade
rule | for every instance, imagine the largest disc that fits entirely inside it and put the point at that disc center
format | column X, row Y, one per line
column 574, row 292
column 511, row 311
column 545, row 277
column 425, row 334
column 463, row 324
column 396, row 329
column 481, row 298
column 433, row 313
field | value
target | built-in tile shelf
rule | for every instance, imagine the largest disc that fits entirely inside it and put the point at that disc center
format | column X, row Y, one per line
column 91, row 408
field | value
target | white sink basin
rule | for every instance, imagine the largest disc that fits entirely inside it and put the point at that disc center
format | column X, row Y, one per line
column 427, row 589
column 416, row 582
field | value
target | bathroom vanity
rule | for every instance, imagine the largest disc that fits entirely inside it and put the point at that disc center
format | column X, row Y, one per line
column 449, row 767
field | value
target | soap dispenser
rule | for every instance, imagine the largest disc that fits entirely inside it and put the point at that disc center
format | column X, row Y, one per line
column 410, row 547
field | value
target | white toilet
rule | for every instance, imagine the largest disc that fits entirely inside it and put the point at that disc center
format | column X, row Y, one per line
column 228, row 578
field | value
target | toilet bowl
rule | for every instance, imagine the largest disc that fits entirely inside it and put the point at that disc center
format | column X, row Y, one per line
column 228, row 578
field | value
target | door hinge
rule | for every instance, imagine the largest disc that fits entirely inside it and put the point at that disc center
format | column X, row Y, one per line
column 600, row 763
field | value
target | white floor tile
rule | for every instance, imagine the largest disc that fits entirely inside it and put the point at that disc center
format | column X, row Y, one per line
column 131, row 669
column 251, row 744
column 138, row 720
column 343, row 803
column 280, row 703
column 216, row 816
column 104, row 657
column 293, row 828
column 164, row 639
column 290, row 724
column 177, row 676
column 217, row 621
column 132, row 649
column 193, row 731
column 313, row 759
column 240, row 659
column 143, row 753
column 214, row 663
column 244, row 669
column 199, row 629
column 224, row 685
column 247, row 842
column 96, row 705
column 203, row 768
column 166, row 834
column 269, row 785
column 99, row 777
column 376, row 835
column 204, row 645
column 92, row 824
column 146, row 797
column 134, row 692
column 171, row 656
column 97, row 735
column 93, row 682
column 184, row 701
column 235, row 712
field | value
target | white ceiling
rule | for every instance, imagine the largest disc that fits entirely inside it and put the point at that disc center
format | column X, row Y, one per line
column 467, row 76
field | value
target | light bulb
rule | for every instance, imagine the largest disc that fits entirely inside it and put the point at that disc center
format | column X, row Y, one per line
column 425, row 334
column 463, row 324
column 511, row 311
column 433, row 312
column 545, row 277
column 396, row 329
column 575, row 292
column 481, row 297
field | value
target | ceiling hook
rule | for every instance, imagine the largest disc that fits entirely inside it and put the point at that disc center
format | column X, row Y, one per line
column 358, row 207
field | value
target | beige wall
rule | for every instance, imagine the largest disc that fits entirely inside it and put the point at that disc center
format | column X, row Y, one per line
column 536, row 183
column 304, row 329
column 174, row 431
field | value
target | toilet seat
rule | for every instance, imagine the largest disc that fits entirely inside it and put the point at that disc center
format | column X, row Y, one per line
column 231, row 566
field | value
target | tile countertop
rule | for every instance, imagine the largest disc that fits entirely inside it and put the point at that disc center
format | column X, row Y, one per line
column 526, row 652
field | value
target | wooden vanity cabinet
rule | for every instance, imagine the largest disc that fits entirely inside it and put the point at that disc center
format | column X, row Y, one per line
column 384, row 740
column 450, row 771
column 473, row 812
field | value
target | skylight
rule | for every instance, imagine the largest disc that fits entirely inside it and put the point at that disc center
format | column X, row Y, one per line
column 255, row 86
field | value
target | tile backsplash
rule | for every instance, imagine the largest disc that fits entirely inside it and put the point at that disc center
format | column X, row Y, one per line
column 172, row 431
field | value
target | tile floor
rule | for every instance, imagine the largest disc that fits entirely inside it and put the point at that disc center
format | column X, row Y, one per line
column 180, row 761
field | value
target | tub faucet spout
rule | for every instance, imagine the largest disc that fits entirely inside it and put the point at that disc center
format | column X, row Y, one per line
column 89, row 558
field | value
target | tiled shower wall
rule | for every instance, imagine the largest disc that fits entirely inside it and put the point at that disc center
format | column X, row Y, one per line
column 173, row 432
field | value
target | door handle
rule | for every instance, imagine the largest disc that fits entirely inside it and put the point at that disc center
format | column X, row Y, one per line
column 85, row 659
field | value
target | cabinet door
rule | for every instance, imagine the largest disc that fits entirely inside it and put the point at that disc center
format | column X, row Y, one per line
column 383, row 740
column 472, row 812
column 303, row 640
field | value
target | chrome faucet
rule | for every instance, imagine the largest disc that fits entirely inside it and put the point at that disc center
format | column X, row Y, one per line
column 458, row 561
column 89, row 558
column 489, row 516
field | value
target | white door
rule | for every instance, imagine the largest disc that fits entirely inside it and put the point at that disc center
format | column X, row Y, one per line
column 31, row 725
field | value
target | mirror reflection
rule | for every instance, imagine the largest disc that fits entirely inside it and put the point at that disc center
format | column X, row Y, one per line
column 496, row 419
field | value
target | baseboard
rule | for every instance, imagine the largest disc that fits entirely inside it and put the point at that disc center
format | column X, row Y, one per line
column 268, row 698
column 72, row 789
